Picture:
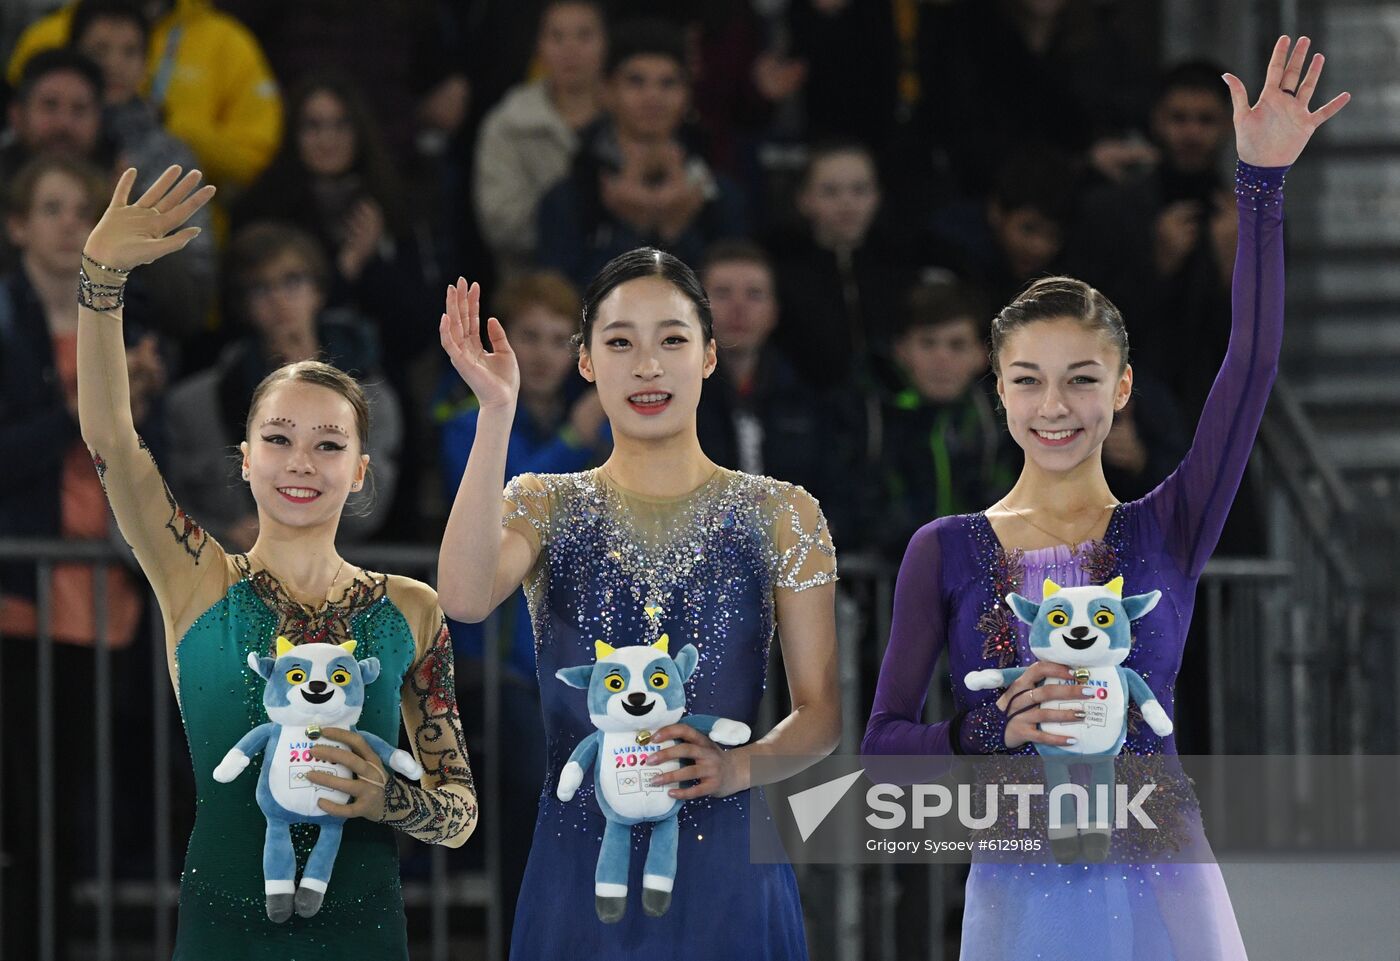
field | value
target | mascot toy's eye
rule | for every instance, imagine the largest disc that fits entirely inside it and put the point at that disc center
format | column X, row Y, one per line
column 296, row 676
column 659, row 680
column 340, row 676
column 1104, row 618
column 1057, row 618
column 614, row 683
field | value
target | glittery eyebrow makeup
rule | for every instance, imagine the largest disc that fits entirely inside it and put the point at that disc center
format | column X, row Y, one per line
column 279, row 420
column 333, row 428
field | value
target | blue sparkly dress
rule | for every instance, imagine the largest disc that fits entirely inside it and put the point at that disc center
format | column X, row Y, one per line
column 707, row 565
column 950, row 593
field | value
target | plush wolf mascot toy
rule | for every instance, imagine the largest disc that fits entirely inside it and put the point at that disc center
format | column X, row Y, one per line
column 309, row 686
column 632, row 692
column 1089, row 630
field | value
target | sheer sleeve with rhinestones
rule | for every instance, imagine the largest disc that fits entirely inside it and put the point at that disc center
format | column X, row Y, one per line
column 442, row 807
column 526, row 509
column 806, row 556
column 1191, row 505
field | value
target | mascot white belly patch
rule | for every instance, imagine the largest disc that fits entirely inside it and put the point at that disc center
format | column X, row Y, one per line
column 291, row 761
column 627, row 783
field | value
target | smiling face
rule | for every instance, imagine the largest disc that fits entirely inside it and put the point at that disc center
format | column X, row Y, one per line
column 1084, row 626
column 1060, row 384
column 648, row 356
column 632, row 688
column 303, row 456
column 1087, row 626
column 316, row 683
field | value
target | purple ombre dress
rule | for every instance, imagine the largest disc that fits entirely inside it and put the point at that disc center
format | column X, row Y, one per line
column 950, row 594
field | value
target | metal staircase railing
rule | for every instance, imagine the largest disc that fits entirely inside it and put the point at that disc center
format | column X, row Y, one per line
column 1314, row 681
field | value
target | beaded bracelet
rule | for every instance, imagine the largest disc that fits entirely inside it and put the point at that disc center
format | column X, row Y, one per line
column 120, row 272
column 97, row 296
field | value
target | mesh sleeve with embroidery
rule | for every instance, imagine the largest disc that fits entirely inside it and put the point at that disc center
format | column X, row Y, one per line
column 442, row 809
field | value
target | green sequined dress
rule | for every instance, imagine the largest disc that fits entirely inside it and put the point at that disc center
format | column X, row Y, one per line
column 217, row 609
column 222, row 913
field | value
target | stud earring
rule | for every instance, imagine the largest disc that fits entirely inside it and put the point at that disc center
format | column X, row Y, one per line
column 245, row 473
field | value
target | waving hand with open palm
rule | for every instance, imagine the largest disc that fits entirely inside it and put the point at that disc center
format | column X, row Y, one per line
column 494, row 375
column 1274, row 131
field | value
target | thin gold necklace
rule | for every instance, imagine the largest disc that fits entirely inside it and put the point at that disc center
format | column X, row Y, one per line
column 284, row 582
column 1057, row 537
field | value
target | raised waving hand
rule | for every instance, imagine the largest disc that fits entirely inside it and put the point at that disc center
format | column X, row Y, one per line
column 131, row 234
column 494, row 375
column 1274, row 131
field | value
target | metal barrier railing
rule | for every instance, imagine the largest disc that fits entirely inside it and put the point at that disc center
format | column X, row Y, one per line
column 1246, row 603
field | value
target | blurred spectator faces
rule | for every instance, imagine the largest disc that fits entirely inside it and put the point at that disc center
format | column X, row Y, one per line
column 58, row 108
column 543, row 342
column 282, row 295
column 572, row 44
column 52, row 209
column 540, row 312
column 744, row 302
column 1029, row 239
column 1192, row 126
column 648, row 95
column 940, row 348
column 279, row 276
column 840, row 196
column 117, row 44
column 1030, row 208
column 1191, row 116
column 941, row 362
column 325, row 131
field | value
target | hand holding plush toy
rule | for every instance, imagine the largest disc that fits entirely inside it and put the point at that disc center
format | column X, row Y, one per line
column 632, row 692
column 1089, row 630
column 309, row 687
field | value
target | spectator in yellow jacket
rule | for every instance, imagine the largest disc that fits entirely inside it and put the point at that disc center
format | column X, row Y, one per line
column 208, row 77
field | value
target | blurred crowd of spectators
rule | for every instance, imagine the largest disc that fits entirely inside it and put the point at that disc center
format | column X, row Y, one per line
column 863, row 183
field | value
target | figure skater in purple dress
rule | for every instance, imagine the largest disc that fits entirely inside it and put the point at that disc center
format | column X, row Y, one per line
column 1060, row 356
